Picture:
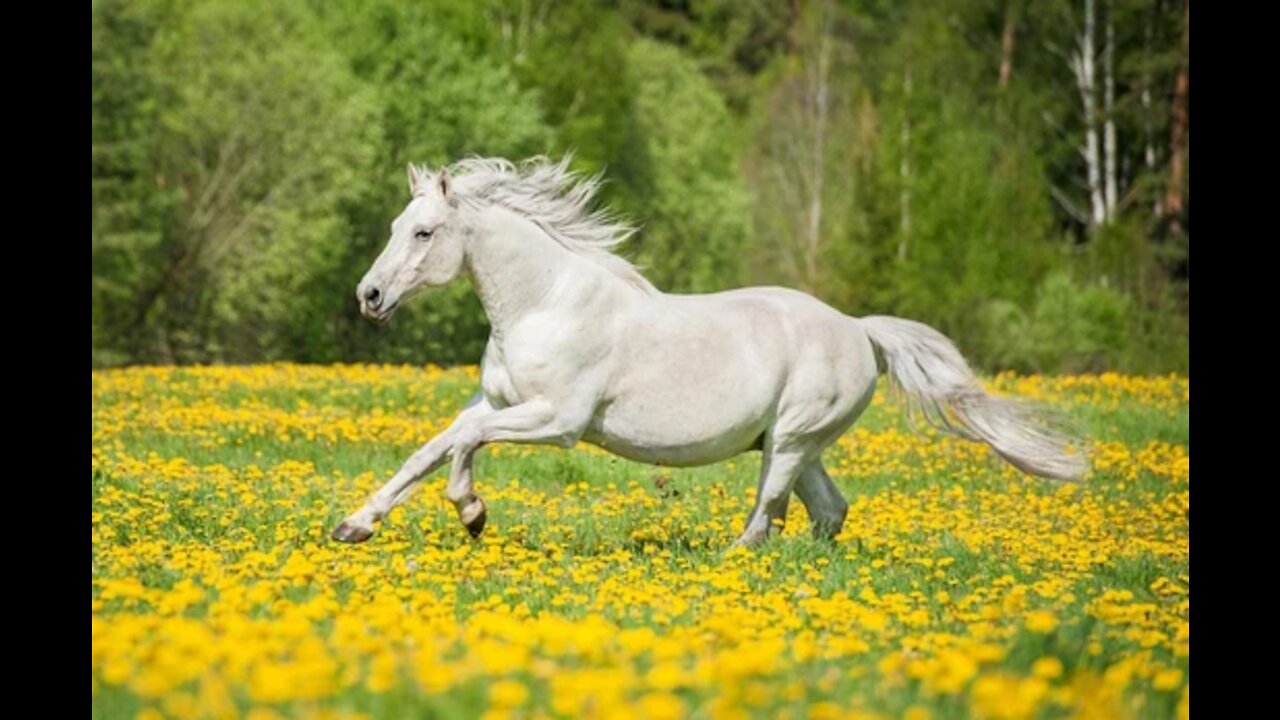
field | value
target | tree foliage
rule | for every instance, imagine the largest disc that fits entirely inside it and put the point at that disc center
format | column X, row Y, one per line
column 941, row 161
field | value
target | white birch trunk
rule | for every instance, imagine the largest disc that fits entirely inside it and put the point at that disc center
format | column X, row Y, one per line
column 1109, row 129
column 1083, row 67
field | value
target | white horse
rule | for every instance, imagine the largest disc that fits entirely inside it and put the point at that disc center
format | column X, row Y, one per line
column 582, row 347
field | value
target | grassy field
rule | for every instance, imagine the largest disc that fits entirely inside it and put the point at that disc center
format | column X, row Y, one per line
column 603, row 588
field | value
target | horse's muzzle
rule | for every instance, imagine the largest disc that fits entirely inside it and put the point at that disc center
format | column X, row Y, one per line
column 380, row 314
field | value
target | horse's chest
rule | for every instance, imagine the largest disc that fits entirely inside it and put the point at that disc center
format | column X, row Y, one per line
column 495, row 380
column 511, row 378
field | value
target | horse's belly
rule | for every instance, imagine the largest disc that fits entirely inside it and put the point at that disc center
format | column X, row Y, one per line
column 634, row 431
column 673, row 452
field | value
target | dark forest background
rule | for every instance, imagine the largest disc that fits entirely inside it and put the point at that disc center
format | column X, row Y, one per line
column 1012, row 172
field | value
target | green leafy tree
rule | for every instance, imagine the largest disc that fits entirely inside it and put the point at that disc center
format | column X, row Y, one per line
column 697, row 217
column 440, row 98
column 255, row 132
column 959, row 162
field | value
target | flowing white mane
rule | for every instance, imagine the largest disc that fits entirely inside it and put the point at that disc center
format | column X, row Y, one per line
column 557, row 200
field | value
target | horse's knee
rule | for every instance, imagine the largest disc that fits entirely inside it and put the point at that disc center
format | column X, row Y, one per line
column 465, row 441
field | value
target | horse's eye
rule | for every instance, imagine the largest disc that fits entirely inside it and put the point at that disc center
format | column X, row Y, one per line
column 423, row 234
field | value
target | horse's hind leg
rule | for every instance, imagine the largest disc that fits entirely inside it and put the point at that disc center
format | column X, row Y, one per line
column 822, row 499
column 777, row 478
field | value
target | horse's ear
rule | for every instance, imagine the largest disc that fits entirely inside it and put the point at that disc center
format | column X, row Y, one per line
column 445, row 181
column 413, row 179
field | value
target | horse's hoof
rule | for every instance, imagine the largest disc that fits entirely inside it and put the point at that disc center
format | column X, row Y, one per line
column 349, row 533
column 753, row 540
column 475, row 526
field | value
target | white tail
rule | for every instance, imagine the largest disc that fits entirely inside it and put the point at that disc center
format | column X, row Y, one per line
column 936, row 381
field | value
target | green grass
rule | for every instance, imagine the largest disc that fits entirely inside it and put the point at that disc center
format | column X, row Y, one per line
column 572, row 532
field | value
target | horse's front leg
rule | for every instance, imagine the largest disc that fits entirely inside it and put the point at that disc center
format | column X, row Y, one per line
column 537, row 421
column 358, row 526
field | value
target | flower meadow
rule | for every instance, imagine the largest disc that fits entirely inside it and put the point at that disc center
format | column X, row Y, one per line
column 603, row 588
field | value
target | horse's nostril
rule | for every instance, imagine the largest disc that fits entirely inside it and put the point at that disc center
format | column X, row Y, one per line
column 373, row 296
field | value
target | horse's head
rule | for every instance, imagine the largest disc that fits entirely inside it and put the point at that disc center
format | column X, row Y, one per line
column 425, row 248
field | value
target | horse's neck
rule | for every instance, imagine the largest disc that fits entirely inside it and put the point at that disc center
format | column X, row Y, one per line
column 517, row 268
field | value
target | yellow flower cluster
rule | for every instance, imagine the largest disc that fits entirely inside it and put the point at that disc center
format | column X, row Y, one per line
column 602, row 588
column 1109, row 391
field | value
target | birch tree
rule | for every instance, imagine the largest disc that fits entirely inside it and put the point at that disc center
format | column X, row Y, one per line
column 1098, row 143
column 801, row 149
column 1083, row 66
column 1109, row 108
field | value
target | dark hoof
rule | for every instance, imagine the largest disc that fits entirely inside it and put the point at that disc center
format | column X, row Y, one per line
column 476, row 526
column 350, row 534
